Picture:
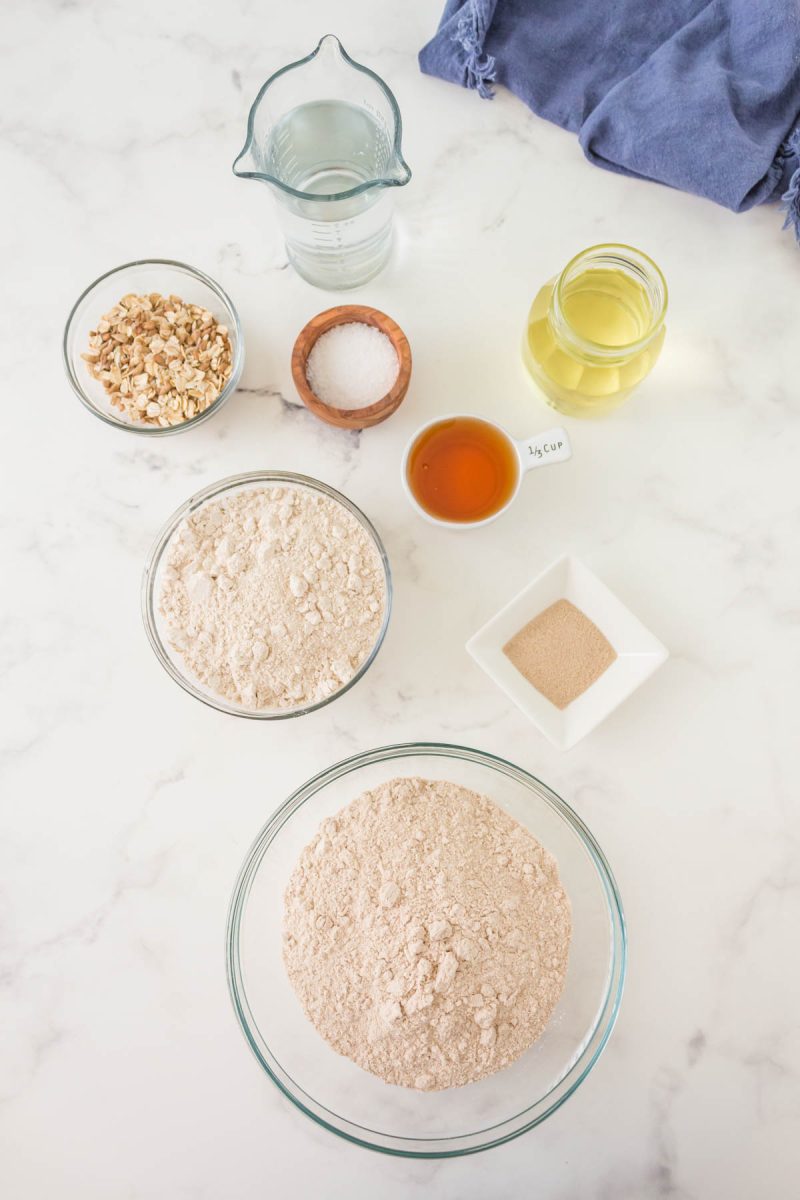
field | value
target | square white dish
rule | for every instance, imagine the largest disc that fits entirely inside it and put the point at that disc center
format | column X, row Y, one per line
column 639, row 653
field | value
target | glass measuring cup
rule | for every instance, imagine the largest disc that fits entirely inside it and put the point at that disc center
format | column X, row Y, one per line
column 325, row 133
column 474, row 468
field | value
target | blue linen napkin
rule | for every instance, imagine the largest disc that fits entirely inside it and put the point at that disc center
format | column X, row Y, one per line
column 702, row 95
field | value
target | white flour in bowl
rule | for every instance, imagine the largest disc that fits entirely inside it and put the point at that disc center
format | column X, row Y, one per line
column 274, row 596
column 426, row 934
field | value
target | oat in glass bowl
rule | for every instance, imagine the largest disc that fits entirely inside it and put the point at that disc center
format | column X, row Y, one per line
column 153, row 347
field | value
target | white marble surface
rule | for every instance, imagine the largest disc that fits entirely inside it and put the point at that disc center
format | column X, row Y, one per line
column 127, row 807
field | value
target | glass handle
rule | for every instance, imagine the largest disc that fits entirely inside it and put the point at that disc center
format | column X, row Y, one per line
column 552, row 446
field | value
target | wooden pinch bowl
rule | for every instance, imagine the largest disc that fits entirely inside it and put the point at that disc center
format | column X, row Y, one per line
column 345, row 314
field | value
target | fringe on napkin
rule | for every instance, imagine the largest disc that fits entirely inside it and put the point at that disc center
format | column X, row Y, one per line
column 790, row 200
column 469, row 35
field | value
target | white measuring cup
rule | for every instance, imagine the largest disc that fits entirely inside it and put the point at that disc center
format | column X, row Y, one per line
column 541, row 450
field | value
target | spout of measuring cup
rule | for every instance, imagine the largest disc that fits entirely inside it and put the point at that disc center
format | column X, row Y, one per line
column 249, row 164
column 329, row 47
column 399, row 173
column 244, row 165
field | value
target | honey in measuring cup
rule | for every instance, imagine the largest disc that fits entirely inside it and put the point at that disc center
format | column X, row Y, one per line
column 462, row 469
column 596, row 330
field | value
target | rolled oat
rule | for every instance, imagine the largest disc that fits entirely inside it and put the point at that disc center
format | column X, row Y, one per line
column 161, row 361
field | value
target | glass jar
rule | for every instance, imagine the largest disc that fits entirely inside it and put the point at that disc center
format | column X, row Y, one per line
column 595, row 331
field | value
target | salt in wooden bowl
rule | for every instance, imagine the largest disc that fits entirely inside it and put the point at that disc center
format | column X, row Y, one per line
column 371, row 414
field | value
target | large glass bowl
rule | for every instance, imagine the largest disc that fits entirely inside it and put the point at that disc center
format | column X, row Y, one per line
column 156, row 626
column 331, row 1089
column 147, row 275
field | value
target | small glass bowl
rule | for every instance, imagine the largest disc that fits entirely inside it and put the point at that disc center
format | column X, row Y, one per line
column 154, row 623
column 349, row 1101
column 148, row 275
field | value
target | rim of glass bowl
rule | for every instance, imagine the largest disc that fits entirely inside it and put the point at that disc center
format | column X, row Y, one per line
column 162, row 540
column 499, row 1133
column 236, row 366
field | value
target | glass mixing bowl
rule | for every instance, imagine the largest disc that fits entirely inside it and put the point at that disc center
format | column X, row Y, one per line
column 148, row 275
column 331, row 1089
column 156, row 626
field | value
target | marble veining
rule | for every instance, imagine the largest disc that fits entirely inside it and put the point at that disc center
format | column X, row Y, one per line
column 126, row 808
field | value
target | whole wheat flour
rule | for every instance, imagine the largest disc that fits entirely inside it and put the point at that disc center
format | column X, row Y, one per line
column 274, row 597
column 426, row 934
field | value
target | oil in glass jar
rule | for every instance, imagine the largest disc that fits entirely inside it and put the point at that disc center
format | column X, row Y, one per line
column 595, row 331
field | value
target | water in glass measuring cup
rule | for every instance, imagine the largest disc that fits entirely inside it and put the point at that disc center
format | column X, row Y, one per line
column 324, row 133
column 326, row 148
